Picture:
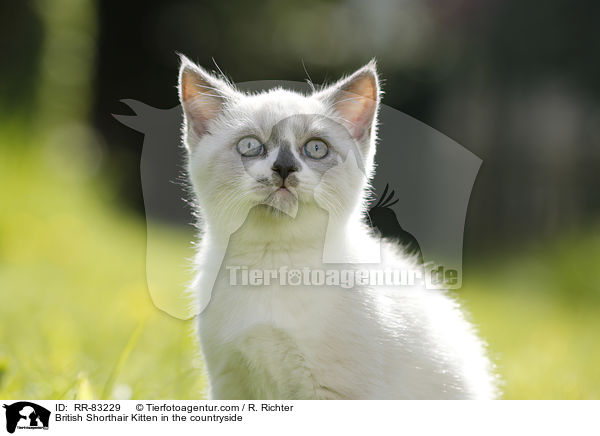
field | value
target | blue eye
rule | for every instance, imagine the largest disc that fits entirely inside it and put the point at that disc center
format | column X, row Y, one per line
column 316, row 149
column 249, row 147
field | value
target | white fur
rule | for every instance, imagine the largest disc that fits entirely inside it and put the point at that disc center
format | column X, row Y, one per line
column 286, row 342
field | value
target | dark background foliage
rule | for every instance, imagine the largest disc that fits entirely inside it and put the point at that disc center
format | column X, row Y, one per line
column 514, row 82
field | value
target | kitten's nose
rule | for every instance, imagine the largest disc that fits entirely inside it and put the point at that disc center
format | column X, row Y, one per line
column 283, row 170
column 285, row 164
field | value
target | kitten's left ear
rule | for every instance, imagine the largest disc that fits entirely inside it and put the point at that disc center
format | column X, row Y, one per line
column 356, row 100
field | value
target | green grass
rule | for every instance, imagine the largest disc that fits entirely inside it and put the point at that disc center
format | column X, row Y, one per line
column 76, row 316
column 77, row 320
column 540, row 313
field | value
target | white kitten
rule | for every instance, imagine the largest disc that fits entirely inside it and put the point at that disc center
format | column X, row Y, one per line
column 280, row 180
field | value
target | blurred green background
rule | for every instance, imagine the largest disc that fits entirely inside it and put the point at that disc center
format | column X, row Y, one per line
column 516, row 82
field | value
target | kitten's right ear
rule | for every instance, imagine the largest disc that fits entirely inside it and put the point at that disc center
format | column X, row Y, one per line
column 356, row 100
column 202, row 95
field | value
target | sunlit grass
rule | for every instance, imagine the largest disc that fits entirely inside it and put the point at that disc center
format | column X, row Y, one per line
column 540, row 313
column 77, row 320
column 543, row 350
column 76, row 317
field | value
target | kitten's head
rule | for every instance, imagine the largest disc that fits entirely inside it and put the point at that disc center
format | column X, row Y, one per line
column 279, row 150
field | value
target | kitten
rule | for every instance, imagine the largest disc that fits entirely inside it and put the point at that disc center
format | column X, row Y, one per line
column 280, row 180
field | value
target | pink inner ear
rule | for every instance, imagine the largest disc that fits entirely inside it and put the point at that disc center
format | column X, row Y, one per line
column 362, row 116
column 357, row 104
column 188, row 87
column 201, row 110
column 200, row 102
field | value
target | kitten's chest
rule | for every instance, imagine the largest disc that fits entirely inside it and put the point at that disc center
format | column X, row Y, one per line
column 276, row 329
column 264, row 256
column 272, row 287
column 273, row 336
column 286, row 304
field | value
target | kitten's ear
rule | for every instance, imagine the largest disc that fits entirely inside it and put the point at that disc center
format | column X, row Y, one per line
column 356, row 100
column 202, row 95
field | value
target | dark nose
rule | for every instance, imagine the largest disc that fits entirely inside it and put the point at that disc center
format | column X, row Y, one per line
column 284, row 170
column 285, row 164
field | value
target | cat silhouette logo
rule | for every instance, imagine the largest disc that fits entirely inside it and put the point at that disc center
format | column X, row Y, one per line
column 26, row 415
column 419, row 193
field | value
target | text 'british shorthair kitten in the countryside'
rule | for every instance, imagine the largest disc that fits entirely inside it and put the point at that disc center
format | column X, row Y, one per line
column 280, row 180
